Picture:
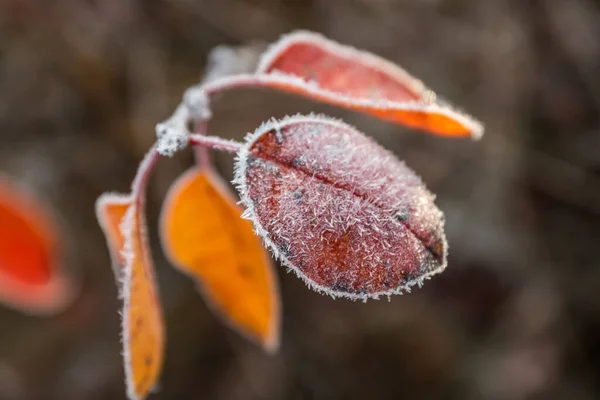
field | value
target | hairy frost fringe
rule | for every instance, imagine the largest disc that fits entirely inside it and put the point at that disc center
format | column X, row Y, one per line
column 241, row 161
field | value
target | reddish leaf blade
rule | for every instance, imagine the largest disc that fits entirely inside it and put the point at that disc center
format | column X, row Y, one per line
column 31, row 275
column 341, row 211
column 364, row 82
column 110, row 211
column 341, row 69
column 204, row 236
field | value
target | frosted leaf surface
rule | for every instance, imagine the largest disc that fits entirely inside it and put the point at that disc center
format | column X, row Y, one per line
column 342, row 69
column 340, row 210
column 362, row 81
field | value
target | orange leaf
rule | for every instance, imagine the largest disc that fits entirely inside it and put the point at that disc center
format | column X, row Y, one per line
column 143, row 325
column 110, row 210
column 31, row 277
column 122, row 219
column 361, row 81
column 204, row 236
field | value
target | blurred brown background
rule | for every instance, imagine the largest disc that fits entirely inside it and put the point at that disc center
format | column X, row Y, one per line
column 515, row 316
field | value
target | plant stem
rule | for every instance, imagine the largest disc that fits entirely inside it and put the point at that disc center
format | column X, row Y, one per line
column 142, row 175
column 201, row 153
column 249, row 80
column 215, row 142
column 173, row 133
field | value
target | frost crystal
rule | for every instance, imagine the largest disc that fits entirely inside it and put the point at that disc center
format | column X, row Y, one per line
column 341, row 211
column 173, row 135
column 170, row 140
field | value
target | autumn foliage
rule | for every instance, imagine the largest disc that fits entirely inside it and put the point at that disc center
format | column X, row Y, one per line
column 332, row 205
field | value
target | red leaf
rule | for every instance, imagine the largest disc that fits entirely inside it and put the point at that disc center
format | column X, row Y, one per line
column 31, row 255
column 361, row 81
column 341, row 69
column 341, row 211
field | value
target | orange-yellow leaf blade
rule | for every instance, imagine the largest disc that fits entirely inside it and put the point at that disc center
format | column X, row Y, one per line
column 361, row 81
column 122, row 219
column 31, row 277
column 110, row 211
column 204, row 236
column 143, row 325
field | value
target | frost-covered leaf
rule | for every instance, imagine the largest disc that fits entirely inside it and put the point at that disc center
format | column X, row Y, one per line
column 338, row 209
column 31, row 254
column 110, row 211
column 362, row 81
column 204, row 236
column 143, row 326
column 122, row 218
column 341, row 69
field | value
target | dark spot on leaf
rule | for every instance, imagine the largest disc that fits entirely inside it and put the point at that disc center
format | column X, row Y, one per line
column 298, row 195
column 402, row 215
column 428, row 264
column 245, row 271
column 343, row 287
column 298, row 162
column 437, row 247
column 285, row 250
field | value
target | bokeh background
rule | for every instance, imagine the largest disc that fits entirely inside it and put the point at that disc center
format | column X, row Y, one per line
column 515, row 316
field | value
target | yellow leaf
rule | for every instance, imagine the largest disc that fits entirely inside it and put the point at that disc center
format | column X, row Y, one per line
column 204, row 236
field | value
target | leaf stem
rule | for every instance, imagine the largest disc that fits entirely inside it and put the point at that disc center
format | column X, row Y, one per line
column 215, row 142
column 201, row 153
column 173, row 134
column 271, row 81
column 138, row 186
